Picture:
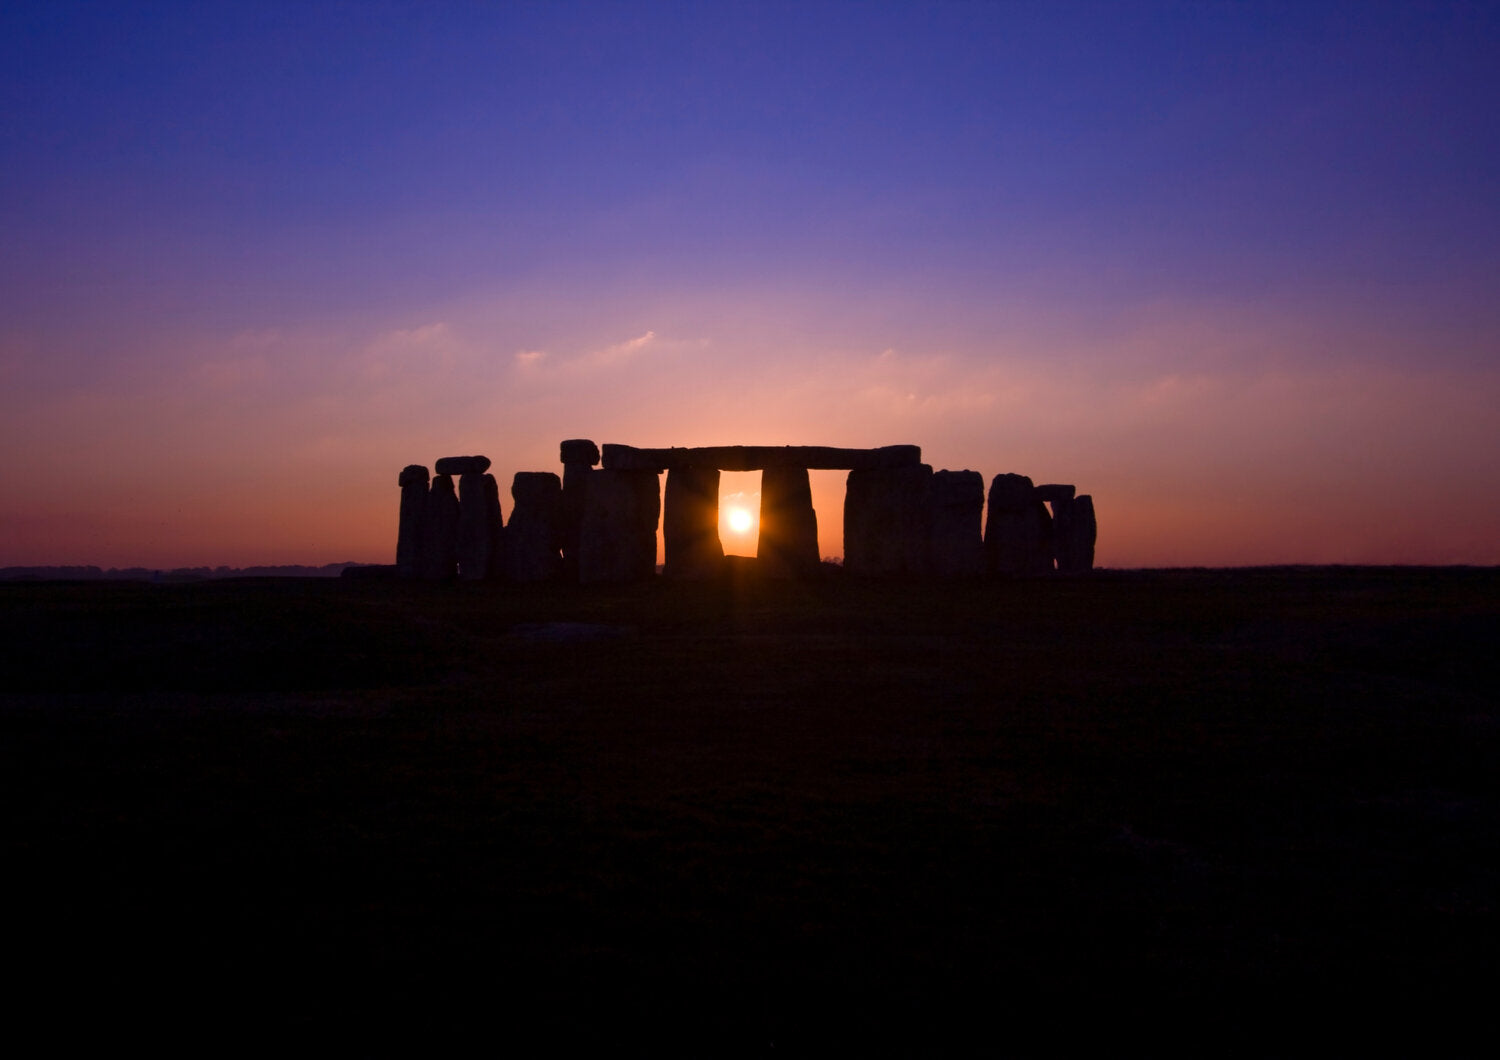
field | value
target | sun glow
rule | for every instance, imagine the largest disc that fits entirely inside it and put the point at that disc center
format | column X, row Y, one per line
column 740, row 520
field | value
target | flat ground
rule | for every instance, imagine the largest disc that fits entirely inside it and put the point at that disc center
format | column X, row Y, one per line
column 1149, row 807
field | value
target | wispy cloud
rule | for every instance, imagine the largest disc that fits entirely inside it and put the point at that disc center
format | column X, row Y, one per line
column 533, row 361
column 430, row 348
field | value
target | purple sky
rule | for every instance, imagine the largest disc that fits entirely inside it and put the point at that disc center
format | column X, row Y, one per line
column 1233, row 269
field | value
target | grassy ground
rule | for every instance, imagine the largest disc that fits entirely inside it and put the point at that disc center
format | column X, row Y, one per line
column 1147, row 807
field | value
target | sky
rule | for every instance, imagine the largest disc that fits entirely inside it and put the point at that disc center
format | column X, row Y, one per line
column 1233, row 269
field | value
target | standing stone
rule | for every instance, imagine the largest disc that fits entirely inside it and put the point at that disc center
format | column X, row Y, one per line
column 496, row 525
column 690, row 523
column 413, row 482
column 475, row 539
column 617, row 535
column 1062, row 533
column 1075, row 533
column 788, row 546
column 533, row 540
column 888, row 520
column 957, row 541
column 578, row 455
column 439, row 553
column 1018, row 531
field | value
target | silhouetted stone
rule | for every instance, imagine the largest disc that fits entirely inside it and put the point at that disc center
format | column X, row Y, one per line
column 575, row 488
column 463, row 465
column 888, row 520
column 578, row 451
column 496, row 524
column 690, row 523
column 1085, row 531
column 761, row 457
column 579, row 455
column 439, row 552
column 533, row 537
column 1017, row 532
column 1052, row 493
column 788, row 545
column 476, row 537
column 413, row 480
column 957, row 542
column 617, row 535
column 1074, row 532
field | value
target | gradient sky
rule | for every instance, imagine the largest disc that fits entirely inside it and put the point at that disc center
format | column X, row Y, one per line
column 1232, row 268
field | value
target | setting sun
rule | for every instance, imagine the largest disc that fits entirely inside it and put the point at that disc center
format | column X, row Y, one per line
column 740, row 520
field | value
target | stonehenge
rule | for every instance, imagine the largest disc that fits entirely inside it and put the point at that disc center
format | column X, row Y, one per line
column 598, row 522
column 690, row 522
column 1018, row 531
column 887, row 520
column 760, row 457
column 578, row 457
column 462, row 465
column 413, row 483
column 957, row 542
column 617, row 534
column 533, row 540
column 439, row 549
column 788, row 546
column 475, row 541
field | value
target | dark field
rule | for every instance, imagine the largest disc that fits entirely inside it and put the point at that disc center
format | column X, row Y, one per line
column 1247, row 810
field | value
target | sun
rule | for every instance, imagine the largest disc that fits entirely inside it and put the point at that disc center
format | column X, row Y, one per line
column 739, row 520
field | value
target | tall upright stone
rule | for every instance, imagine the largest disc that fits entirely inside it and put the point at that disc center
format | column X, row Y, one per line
column 578, row 456
column 957, row 538
column 413, row 483
column 1086, row 530
column 533, row 539
column 1060, row 497
column 439, row 552
column 690, row 523
column 888, row 520
column 496, row 525
column 788, row 545
column 1074, row 533
column 617, row 534
column 1018, row 530
column 475, row 535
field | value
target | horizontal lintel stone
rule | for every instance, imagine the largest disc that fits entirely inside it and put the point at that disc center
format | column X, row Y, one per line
column 462, row 465
column 760, row 457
